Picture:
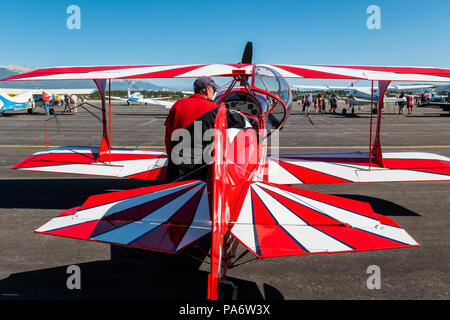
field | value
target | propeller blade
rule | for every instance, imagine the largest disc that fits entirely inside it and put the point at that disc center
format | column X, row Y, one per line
column 248, row 53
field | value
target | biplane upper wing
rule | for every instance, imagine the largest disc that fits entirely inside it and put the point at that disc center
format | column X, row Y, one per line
column 132, row 72
column 375, row 73
column 125, row 163
column 276, row 220
column 357, row 167
column 166, row 217
column 426, row 74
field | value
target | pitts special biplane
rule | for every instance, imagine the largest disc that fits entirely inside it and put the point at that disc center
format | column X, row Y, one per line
column 247, row 198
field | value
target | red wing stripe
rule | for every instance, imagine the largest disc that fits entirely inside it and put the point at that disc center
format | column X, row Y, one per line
column 385, row 239
column 99, row 200
column 310, row 176
column 62, row 70
column 165, row 74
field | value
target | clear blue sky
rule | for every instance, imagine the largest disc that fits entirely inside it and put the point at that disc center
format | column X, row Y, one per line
column 414, row 32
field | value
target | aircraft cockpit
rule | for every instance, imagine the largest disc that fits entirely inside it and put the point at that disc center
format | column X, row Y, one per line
column 248, row 104
column 266, row 95
column 243, row 102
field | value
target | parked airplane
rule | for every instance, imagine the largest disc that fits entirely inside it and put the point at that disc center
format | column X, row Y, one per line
column 139, row 98
column 28, row 99
column 23, row 101
column 438, row 102
column 247, row 199
column 18, row 91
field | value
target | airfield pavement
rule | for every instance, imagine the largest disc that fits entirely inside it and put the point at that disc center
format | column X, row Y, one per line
column 34, row 266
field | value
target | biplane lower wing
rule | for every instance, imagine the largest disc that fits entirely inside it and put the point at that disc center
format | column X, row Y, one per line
column 356, row 167
column 277, row 220
column 165, row 218
column 124, row 163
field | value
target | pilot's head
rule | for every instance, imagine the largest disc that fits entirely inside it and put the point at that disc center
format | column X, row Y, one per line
column 206, row 86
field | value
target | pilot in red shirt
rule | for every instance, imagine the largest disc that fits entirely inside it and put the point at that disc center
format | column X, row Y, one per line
column 194, row 116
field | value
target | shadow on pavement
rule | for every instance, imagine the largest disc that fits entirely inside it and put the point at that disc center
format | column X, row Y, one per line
column 130, row 274
column 380, row 206
column 59, row 193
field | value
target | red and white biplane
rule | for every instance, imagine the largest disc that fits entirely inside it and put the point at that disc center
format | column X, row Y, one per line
column 247, row 198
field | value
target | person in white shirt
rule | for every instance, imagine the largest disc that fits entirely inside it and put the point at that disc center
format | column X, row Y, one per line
column 73, row 102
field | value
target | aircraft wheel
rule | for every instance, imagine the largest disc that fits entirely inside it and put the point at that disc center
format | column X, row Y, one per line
column 30, row 111
column 52, row 111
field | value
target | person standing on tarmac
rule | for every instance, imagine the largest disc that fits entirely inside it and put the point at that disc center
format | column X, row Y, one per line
column 194, row 115
column 46, row 99
column 410, row 103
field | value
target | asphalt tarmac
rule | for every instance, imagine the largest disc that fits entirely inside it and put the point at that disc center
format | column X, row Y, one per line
column 34, row 266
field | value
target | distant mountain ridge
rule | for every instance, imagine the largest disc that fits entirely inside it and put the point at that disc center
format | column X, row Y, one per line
column 10, row 70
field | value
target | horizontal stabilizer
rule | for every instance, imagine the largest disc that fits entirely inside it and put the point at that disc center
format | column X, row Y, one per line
column 125, row 163
column 276, row 221
column 165, row 218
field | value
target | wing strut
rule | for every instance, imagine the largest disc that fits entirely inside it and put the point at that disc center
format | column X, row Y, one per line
column 375, row 151
column 104, row 154
column 370, row 130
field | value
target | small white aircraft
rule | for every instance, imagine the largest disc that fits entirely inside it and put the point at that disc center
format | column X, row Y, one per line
column 139, row 98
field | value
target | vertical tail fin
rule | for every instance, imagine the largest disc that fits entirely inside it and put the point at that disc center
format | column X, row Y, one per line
column 218, row 207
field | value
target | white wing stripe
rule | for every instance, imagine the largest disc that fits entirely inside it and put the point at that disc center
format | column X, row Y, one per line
column 243, row 228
